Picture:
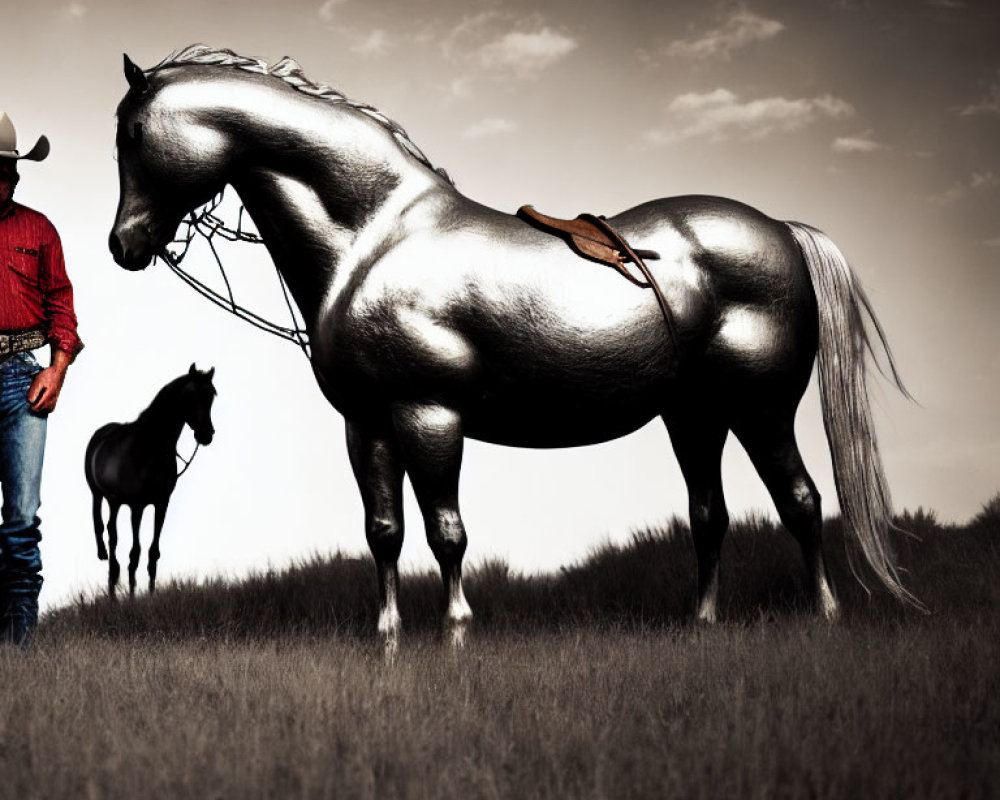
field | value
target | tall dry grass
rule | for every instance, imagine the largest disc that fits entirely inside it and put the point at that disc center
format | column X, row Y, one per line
column 587, row 683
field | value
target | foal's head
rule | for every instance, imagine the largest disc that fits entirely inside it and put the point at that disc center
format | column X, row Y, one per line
column 194, row 397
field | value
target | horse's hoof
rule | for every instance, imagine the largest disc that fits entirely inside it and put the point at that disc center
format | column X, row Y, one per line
column 389, row 643
column 456, row 633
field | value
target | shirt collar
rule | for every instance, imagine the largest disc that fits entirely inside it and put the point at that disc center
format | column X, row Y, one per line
column 9, row 212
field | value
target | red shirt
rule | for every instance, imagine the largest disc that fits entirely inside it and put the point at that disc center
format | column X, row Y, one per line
column 35, row 291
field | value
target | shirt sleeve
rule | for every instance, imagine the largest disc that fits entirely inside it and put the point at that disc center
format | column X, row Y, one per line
column 57, row 295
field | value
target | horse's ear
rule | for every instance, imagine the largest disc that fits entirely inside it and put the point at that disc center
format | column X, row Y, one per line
column 211, row 373
column 193, row 370
column 135, row 76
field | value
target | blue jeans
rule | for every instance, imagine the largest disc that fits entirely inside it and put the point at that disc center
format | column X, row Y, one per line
column 22, row 448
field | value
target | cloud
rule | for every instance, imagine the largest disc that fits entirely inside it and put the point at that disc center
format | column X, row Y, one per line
column 720, row 115
column 990, row 104
column 976, row 182
column 994, row 242
column 949, row 196
column 862, row 143
column 493, row 126
column 503, row 45
column 983, row 180
column 741, row 29
column 460, row 88
column 361, row 40
column 376, row 43
column 328, row 11
column 527, row 53
column 75, row 10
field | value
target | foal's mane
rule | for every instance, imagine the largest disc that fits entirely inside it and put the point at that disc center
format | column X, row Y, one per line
column 288, row 70
column 165, row 396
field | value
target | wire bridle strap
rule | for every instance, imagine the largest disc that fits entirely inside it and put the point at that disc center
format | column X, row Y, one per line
column 187, row 461
column 206, row 224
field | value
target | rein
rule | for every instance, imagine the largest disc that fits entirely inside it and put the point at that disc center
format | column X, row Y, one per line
column 187, row 462
column 205, row 223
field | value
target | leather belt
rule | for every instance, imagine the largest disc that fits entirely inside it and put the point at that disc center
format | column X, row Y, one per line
column 18, row 341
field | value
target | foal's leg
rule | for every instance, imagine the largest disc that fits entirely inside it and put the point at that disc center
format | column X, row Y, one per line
column 159, row 514
column 136, row 551
column 113, row 568
column 430, row 437
column 102, row 552
column 770, row 442
column 698, row 438
column 378, row 468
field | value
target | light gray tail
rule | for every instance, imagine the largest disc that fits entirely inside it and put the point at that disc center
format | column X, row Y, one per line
column 844, row 345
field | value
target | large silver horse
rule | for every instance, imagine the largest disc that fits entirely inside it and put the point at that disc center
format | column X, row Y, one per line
column 433, row 318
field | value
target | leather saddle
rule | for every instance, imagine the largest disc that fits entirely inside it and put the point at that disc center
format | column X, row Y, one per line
column 590, row 236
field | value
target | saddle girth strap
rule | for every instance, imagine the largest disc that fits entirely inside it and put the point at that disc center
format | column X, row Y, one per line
column 592, row 237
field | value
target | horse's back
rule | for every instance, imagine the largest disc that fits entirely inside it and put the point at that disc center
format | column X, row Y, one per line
column 747, row 255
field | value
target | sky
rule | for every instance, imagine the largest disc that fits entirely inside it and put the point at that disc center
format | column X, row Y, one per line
column 878, row 122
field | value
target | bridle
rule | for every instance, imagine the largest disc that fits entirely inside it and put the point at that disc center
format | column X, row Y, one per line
column 187, row 461
column 205, row 223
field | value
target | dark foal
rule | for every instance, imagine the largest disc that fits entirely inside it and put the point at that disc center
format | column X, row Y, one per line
column 134, row 464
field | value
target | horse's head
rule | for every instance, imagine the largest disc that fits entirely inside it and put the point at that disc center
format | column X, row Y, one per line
column 197, row 394
column 171, row 159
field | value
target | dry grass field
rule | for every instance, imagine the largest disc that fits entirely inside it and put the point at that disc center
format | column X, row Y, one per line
column 590, row 683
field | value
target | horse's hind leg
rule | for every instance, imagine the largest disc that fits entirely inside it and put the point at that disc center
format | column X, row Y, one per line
column 378, row 468
column 769, row 439
column 430, row 437
column 102, row 552
column 113, row 568
column 136, row 551
column 159, row 515
column 698, row 437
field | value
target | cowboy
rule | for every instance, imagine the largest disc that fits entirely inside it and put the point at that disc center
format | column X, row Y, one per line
column 36, row 306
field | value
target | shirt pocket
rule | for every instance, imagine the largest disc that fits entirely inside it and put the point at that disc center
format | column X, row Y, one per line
column 23, row 262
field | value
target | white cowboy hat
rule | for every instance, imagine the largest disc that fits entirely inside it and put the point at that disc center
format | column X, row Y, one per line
column 8, row 143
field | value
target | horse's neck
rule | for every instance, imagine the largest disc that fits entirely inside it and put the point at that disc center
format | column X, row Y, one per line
column 321, row 217
column 161, row 421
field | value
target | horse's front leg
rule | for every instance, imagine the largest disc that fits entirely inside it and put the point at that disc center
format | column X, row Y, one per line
column 159, row 515
column 378, row 468
column 431, row 439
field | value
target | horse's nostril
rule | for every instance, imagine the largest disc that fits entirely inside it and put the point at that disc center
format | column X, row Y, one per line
column 115, row 246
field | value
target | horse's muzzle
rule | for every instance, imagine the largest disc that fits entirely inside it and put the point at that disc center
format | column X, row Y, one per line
column 129, row 258
column 204, row 437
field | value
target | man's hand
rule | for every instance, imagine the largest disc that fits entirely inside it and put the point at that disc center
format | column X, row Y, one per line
column 45, row 388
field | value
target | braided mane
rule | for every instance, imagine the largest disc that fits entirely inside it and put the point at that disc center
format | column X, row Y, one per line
column 288, row 70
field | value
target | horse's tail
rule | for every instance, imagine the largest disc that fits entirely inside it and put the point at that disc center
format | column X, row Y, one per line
column 844, row 343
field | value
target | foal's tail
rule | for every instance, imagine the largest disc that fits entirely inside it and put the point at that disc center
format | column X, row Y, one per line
column 862, row 490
